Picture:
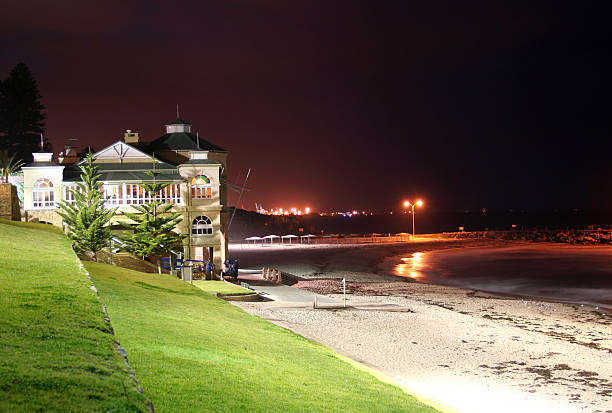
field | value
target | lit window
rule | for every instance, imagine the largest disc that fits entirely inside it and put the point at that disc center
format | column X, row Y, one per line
column 69, row 195
column 43, row 195
column 202, row 226
column 201, row 187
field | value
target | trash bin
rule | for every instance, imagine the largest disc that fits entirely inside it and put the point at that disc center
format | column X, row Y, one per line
column 187, row 273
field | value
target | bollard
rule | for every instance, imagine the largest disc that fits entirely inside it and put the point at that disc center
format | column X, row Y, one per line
column 263, row 273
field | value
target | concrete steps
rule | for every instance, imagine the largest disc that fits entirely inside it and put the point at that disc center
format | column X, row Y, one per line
column 127, row 260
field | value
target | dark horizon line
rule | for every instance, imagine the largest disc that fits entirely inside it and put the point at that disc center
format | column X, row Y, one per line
column 465, row 211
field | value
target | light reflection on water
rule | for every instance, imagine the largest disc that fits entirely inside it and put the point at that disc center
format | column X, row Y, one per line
column 412, row 266
column 566, row 274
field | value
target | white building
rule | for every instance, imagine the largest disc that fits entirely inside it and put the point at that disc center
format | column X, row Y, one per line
column 194, row 168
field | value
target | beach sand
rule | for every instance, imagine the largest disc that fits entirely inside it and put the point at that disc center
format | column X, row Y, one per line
column 472, row 351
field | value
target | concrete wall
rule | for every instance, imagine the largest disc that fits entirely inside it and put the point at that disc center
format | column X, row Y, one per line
column 44, row 215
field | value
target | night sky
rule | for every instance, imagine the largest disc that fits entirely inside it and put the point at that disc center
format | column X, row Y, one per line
column 342, row 104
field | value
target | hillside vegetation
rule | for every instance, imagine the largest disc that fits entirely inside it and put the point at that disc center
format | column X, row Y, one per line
column 56, row 350
column 194, row 352
column 190, row 350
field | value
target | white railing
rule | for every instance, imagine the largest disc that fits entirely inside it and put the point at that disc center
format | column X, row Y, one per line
column 131, row 194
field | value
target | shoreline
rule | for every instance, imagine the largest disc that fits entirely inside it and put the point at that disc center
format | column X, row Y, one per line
column 523, row 297
column 337, row 261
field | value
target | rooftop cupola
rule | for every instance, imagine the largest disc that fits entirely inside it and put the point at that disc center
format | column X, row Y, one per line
column 178, row 125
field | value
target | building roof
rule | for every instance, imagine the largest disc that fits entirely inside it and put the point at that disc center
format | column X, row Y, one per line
column 201, row 162
column 178, row 121
column 181, row 141
column 133, row 166
column 138, row 176
column 37, row 164
column 130, row 171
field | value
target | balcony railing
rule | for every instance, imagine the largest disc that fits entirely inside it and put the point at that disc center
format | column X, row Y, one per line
column 131, row 194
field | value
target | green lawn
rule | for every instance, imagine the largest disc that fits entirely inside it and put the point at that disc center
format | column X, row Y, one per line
column 193, row 352
column 56, row 351
column 221, row 287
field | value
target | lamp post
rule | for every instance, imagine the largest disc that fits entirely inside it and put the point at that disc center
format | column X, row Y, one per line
column 413, row 204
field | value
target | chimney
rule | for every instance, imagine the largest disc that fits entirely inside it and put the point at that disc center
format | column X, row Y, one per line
column 42, row 156
column 130, row 137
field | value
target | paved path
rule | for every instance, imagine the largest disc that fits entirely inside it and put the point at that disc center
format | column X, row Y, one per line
column 284, row 294
column 290, row 296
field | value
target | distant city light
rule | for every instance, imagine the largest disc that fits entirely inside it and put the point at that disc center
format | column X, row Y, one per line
column 282, row 211
column 308, row 210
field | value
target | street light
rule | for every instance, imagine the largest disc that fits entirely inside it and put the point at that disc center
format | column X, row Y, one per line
column 407, row 204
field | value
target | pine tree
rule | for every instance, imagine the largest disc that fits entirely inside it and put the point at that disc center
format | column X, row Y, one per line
column 21, row 113
column 153, row 233
column 87, row 220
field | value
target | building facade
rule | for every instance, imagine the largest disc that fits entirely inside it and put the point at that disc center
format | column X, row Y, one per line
column 194, row 168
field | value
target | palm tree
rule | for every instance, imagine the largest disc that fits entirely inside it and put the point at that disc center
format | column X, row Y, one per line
column 8, row 165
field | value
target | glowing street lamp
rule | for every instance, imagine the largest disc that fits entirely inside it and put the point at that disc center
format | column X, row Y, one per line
column 407, row 204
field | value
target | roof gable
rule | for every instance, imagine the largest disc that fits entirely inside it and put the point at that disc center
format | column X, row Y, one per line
column 120, row 151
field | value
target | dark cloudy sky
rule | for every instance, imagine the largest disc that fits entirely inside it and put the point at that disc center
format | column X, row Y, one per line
column 342, row 104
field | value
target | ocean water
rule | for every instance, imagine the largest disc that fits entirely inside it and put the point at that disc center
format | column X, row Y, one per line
column 574, row 274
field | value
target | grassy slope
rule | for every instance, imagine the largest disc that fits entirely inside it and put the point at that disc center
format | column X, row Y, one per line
column 56, row 353
column 221, row 287
column 194, row 352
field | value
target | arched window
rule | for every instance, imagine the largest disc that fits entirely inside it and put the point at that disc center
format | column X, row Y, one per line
column 202, row 225
column 43, row 195
column 201, row 187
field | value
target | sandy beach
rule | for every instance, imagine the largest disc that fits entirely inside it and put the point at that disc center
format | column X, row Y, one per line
column 472, row 351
